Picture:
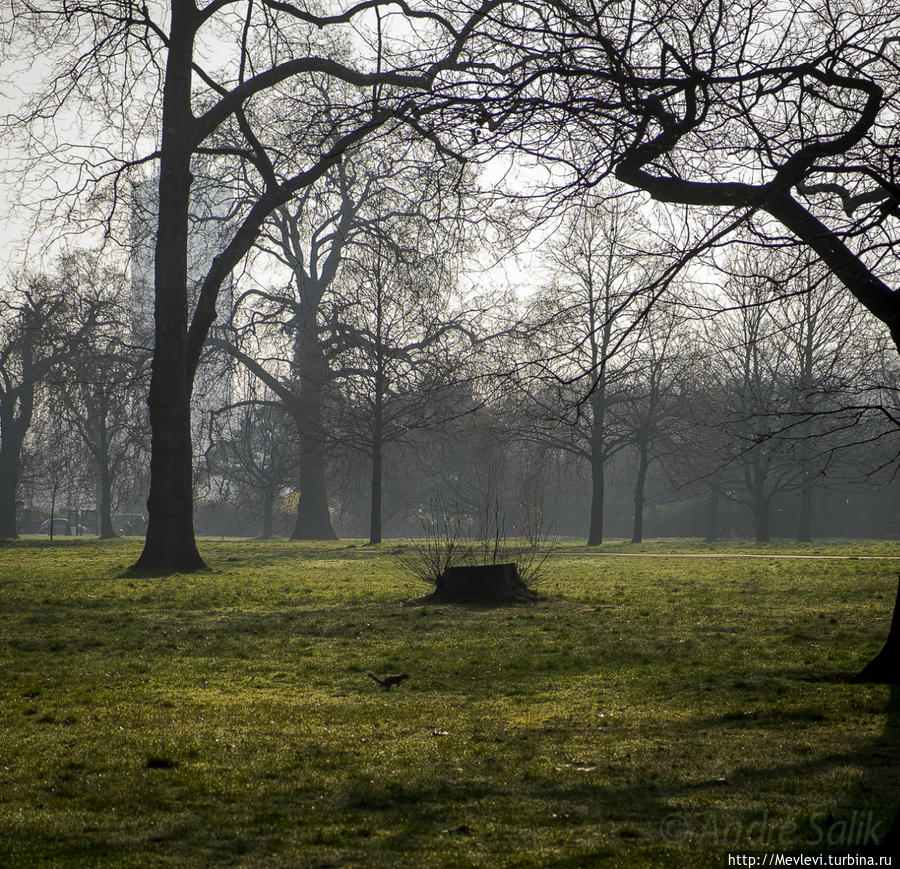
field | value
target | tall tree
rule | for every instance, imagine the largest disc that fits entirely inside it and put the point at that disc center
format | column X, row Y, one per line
column 249, row 456
column 98, row 389
column 393, row 336
column 751, row 372
column 829, row 343
column 210, row 64
column 662, row 367
column 783, row 354
column 384, row 212
column 56, row 466
column 590, row 321
column 741, row 107
column 307, row 237
column 41, row 326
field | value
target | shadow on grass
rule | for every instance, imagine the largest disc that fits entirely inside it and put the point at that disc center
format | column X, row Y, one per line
column 376, row 818
column 373, row 811
column 135, row 572
column 256, row 552
column 870, row 803
column 433, row 603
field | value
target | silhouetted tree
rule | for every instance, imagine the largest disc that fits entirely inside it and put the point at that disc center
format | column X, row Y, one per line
column 589, row 323
column 661, row 372
column 41, row 326
column 117, row 52
column 250, row 454
column 735, row 107
column 99, row 390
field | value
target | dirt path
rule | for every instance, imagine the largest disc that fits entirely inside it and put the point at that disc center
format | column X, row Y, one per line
column 742, row 555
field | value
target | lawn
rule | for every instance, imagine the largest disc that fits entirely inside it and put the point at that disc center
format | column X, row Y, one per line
column 644, row 712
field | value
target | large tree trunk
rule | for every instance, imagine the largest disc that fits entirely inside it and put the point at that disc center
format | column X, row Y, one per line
column 313, row 516
column 598, row 486
column 713, row 514
column 598, row 467
column 9, row 483
column 377, row 469
column 637, row 534
column 170, row 543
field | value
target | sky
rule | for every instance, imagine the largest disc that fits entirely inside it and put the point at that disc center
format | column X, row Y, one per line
column 28, row 236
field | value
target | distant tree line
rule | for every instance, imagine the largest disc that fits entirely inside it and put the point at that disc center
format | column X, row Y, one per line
column 351, row 167
column 617, row 395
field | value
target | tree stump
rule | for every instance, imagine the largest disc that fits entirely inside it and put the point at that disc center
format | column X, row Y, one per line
column 481, row 582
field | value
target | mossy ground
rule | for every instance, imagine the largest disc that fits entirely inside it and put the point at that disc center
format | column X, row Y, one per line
column 644, row 712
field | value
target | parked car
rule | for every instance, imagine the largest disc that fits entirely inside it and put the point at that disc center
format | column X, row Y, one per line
column 64, row 527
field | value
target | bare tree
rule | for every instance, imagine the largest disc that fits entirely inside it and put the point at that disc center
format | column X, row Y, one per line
column 307, row 236
column 41, row 325
column 119, row 53
column 663, row 365
column 349, row 247
column 829, row 342
column 751, row 372
column 56, row 466
column 726, row 105
column 783, row 352
column 250, row 456
column 589, row 323
column 394, row 327
column 97, row 390
column 743, row 107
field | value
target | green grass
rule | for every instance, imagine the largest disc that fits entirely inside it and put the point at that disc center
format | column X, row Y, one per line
column 645, row 712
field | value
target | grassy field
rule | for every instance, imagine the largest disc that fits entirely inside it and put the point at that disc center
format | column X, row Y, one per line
column 644, row 712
